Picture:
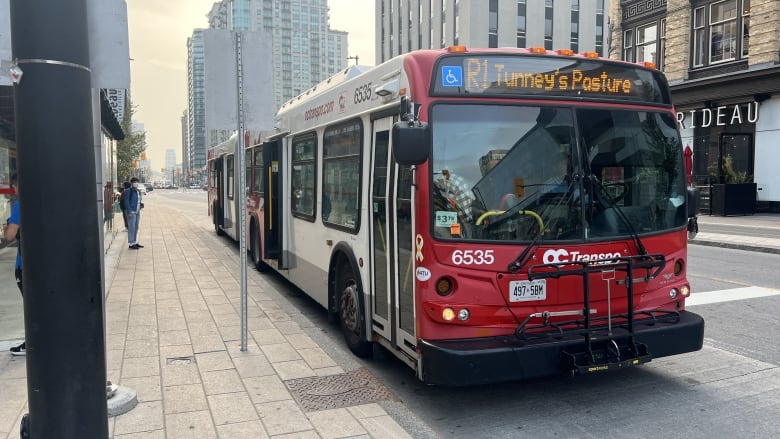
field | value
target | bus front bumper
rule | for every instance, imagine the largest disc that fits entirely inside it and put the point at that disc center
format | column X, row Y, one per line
column 508, row 358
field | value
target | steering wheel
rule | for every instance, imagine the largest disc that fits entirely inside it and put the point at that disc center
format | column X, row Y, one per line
column 490, row 213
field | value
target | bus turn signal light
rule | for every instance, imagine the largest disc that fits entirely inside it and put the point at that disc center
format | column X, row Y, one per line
column 678, row 267
column 444, row 286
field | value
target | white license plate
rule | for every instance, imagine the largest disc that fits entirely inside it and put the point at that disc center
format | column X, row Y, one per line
column 527, row 290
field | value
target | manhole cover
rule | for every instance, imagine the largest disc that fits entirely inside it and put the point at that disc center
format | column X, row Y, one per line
column 335, row 391
column 180, row 360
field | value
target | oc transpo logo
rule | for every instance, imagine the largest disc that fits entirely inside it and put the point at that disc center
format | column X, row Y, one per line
column 559, row 255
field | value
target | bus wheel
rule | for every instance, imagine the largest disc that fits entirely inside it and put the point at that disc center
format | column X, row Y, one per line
column 351, row 313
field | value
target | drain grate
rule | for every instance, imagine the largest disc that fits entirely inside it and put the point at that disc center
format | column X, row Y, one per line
column 179, row 360
column 336, row 391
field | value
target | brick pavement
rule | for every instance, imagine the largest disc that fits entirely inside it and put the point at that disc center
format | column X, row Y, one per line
column 173, row 336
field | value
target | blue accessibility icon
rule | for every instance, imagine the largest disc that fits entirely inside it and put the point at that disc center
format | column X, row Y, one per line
column 452, row 76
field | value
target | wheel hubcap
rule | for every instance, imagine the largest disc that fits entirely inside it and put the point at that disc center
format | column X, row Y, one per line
column 349, row 308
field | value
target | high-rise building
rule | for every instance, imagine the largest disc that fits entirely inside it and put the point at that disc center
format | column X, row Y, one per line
column 722, row 61
column 406, row 25
column 184, row 149
column 196, row 99
column 306, row 50
column 170, row 159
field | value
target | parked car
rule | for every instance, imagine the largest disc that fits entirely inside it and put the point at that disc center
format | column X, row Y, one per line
column 194, row 186
column 149, row 187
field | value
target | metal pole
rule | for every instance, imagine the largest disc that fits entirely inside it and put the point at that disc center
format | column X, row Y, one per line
column 241, row 160
column 60, row 242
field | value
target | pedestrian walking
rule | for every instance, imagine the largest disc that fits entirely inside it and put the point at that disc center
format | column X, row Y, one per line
column 133, row 203
column 12, row 229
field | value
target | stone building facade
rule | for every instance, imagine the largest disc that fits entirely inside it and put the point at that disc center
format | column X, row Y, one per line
column 722, row 61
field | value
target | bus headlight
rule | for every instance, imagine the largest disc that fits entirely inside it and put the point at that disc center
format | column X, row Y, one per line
column 463, row 315
column 673, row 293
column 685, row 290
column 448, row 314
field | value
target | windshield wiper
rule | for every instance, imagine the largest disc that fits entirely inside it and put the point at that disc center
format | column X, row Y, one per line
column 522, row 259
column 594, row 182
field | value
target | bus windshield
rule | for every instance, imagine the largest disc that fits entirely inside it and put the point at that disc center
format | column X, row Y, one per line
column 520, row 173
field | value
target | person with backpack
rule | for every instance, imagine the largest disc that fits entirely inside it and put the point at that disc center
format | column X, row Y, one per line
column 131, row 199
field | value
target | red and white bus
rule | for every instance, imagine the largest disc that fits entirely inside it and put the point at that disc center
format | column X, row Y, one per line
column 485, row 215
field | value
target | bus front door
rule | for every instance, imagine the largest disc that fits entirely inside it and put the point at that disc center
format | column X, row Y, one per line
column 392, row 281
column 272, row 218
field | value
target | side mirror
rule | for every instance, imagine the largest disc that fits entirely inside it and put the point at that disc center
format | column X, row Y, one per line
column 411, row 143
column 692, row 202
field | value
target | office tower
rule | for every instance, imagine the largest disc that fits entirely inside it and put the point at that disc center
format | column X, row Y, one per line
column 406, row 25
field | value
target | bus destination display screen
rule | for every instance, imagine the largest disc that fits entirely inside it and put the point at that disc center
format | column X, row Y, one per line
column 536, row 76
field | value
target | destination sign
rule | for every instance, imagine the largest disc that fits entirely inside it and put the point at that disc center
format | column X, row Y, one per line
column 534, row 75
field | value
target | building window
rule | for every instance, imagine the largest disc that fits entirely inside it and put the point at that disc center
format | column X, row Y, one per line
column 456, row 28
column 600, row 27
column 645, row 43
column 628, row 45
column 548, row 24
column 575, row 25
column 493, row 24
column 521, row 22
column 443, row 23
column 720, row 32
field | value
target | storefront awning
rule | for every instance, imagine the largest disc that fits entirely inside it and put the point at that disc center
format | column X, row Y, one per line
column 750, row 84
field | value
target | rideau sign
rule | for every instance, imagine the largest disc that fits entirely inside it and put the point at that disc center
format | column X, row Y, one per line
column 719, row 116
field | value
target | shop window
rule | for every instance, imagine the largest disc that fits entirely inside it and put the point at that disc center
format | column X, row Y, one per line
column 721, row 32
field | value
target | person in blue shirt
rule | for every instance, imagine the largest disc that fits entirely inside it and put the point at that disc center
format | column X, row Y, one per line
column 12, row 232
column 133, row 205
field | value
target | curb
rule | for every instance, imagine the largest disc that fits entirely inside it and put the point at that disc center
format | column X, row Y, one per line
column 753, row 248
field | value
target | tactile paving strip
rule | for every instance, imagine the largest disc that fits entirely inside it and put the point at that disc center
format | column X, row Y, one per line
column 336, row 391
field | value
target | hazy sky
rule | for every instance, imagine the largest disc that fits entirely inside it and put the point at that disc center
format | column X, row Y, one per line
column 158, row 48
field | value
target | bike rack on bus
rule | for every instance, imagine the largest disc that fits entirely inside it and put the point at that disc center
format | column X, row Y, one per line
column 601, row 352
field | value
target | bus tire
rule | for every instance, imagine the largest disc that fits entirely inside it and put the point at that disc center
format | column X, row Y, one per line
column 351, row 316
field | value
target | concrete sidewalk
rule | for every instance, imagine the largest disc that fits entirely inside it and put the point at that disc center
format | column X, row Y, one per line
column 737, row 237
column 173, row 336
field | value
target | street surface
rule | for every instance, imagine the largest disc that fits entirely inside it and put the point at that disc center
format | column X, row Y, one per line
column 728, row 389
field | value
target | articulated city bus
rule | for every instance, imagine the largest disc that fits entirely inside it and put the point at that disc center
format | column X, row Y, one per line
column 485, row 215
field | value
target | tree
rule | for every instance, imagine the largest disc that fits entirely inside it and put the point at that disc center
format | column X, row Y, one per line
column 131, row 147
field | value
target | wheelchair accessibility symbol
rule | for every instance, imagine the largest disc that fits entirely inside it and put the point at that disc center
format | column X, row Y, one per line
column 451, row 76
